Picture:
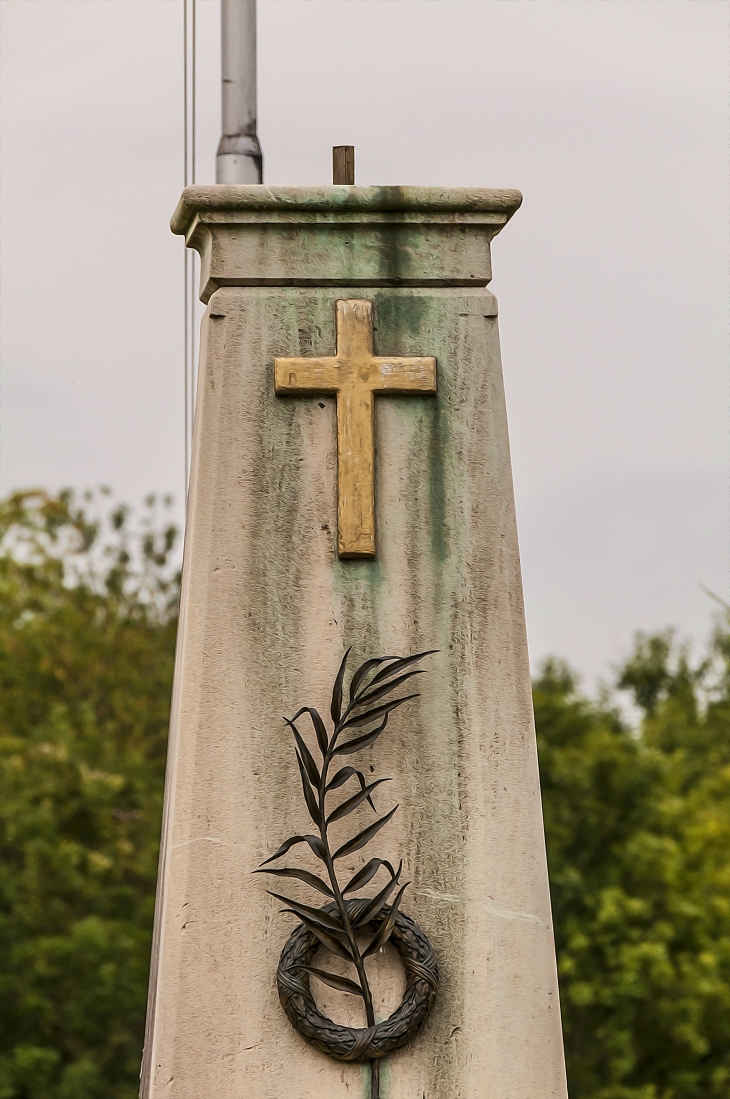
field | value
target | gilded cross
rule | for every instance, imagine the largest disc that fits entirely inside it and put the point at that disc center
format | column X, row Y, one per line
column 354, row 374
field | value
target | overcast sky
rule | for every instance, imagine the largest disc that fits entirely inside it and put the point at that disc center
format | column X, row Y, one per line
column 611, row 116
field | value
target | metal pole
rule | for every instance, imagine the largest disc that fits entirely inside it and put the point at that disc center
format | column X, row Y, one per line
column 239, row 157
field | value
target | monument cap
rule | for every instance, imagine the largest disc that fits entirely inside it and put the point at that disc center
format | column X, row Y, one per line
column 251, row 235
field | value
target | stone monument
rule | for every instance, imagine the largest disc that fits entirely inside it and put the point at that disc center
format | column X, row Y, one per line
column 351, row 497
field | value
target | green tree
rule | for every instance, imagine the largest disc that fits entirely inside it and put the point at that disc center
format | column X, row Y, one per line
column 638, row 834
column 87, row 628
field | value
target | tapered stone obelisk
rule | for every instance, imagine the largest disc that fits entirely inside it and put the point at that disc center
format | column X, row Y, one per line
column 351, row 486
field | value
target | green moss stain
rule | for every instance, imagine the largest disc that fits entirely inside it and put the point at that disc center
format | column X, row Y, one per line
column 400, row 322
column 359, row 585
column 407, row 324
column 438, row 428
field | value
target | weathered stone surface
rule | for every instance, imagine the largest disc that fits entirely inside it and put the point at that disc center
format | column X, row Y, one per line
column 268, row 610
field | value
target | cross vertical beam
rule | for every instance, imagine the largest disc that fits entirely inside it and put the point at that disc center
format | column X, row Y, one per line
column 355, row 374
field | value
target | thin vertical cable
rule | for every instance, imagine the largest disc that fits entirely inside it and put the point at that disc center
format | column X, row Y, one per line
column 186, row 296
column 189, row 157
column 193, row 150
column 193, row 91
column 1, row 328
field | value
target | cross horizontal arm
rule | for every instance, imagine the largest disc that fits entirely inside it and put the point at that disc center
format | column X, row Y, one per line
column 306, row 375
column 417, row 375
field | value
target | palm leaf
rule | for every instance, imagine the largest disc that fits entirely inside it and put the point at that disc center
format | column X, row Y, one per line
column 352, row 803
column 324, row 937
column 363, row 837
column 399, row 665
column 363, row 741
column 301, row 875
column 363, row 876
column 372, row 715
column 334, row 980
column 316, row 915
column 385, row 688
column 318, row 724
column 307, row 756
column 336, row 706
column 314, row 842
column 381, row 938
column 341, row 778
column 379, row 900
column 364, row 670
column 312, row 804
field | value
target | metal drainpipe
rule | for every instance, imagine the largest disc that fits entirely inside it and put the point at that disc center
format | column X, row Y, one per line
column 239, row 158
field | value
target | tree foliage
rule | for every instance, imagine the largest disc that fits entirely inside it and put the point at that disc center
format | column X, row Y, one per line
column 637, row 816
column 638, row 832
column 87, row 626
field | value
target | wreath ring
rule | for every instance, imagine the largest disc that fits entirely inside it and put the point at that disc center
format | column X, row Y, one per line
column 367, row 1043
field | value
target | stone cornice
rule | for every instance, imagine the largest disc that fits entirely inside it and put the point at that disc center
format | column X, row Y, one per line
column 259, row 203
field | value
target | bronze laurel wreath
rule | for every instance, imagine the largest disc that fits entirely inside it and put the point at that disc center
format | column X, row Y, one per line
column 337, row 925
